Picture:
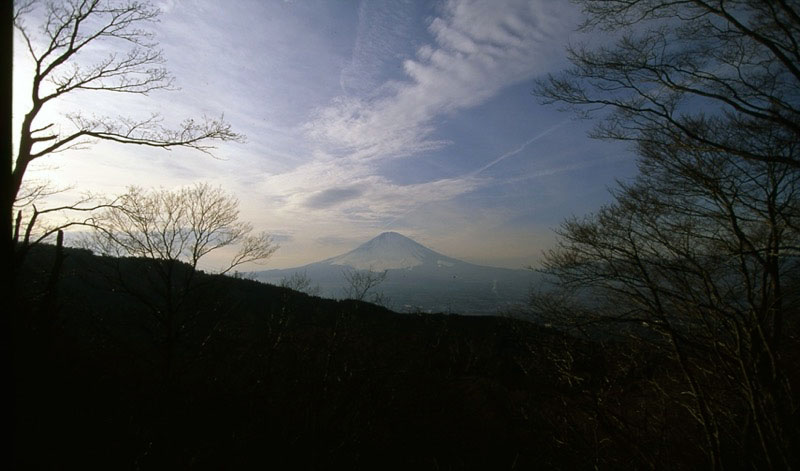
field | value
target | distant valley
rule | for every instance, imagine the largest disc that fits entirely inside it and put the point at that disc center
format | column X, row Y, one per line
column 418, row 279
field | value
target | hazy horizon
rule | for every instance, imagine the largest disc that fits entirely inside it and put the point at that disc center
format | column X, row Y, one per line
column 361, row 118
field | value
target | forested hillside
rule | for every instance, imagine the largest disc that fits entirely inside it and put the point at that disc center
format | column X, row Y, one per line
column 266, row 376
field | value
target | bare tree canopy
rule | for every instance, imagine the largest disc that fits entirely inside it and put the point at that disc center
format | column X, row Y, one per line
column 700, row 254
column 716, row 74
column 58, row 48
column 299, row 281
column 183, row 225
column 361, row 282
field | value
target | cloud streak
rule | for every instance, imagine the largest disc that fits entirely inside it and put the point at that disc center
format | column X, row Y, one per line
column 520, row 148
column 384, row 29
column 331, row 197
column 478, row 49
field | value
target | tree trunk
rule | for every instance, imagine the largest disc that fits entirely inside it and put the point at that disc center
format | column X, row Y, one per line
column 6, row 203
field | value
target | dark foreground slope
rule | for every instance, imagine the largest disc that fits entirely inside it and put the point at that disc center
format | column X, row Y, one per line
column 271, row 378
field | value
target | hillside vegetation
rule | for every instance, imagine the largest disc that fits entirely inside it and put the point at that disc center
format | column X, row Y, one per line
column 266, row 376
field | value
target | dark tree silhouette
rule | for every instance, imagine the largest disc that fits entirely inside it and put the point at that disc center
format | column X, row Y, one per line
column 6, row 292
column 699, row 255
column 704, row 72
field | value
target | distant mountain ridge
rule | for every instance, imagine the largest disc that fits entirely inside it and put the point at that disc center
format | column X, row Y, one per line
column 418, row 278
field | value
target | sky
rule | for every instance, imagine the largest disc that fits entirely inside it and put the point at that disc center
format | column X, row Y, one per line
column 361, row 117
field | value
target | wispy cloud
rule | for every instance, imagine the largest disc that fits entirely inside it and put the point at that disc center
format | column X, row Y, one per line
column 336, row 192
column 473, row 175
column 333, row 196
column 478, row 48
column 385, row 27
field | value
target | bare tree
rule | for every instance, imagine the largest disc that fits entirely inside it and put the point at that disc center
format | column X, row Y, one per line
column 6, row 102
column 60, row 47
column 183, row 225
column 28, row 230
column 8, row 413
column 174, row 230
column 698, row 256
column 299, row 281
column 705, row 72
column 361, row 282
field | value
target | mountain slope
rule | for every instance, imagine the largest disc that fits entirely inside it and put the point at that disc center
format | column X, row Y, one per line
column 418, row 278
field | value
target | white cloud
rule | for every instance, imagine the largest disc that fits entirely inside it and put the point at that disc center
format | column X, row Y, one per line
column 384, row 29
column 479, row 48
column 337, row 191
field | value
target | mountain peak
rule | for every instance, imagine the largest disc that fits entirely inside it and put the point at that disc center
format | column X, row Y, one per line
column 389, row 250
column 391, row 235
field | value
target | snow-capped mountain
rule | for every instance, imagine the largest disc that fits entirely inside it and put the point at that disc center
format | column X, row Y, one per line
column 418, row 278
column 390, row 251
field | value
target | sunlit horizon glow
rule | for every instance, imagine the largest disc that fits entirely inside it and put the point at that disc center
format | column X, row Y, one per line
column 361, row 117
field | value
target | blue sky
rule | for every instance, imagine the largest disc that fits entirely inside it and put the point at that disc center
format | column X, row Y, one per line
column 363, row 117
